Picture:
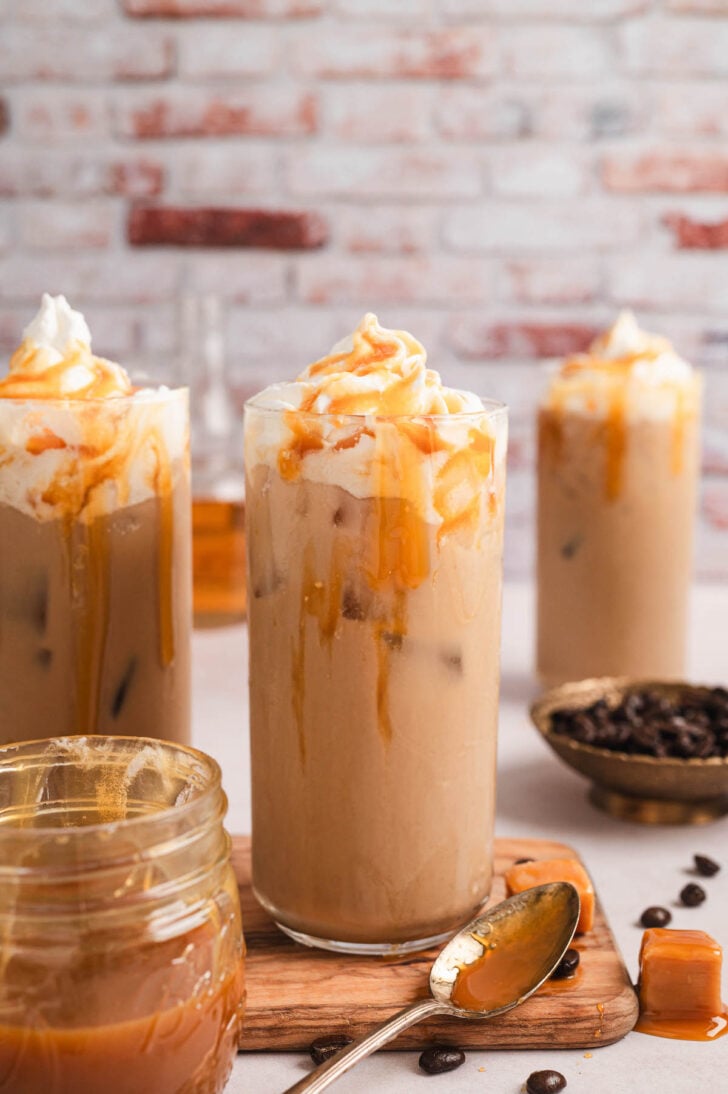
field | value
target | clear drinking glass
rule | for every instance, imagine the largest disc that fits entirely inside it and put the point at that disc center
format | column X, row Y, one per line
column 95, row 585
column 617, row 494
column 121, row 947
column 374, row 621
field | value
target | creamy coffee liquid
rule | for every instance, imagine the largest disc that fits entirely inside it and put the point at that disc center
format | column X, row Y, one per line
column 375, row 542
column 618, row 468
column 94, row 543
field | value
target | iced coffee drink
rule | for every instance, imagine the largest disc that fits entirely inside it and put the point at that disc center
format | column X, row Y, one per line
column 617, row 477
column 95, row 590
column 375, row 520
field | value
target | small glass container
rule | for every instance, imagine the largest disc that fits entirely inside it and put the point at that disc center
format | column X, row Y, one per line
column 121, row 945
column 218, row 481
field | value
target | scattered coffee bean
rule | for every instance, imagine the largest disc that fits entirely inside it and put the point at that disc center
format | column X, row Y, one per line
column 523, row 861
column 567, row 966
column 708, row 867
column 691, row 726
column 441, row 1058
column 655, row 916
column 323, row 1048
column 692, row 895
column 545, row 1082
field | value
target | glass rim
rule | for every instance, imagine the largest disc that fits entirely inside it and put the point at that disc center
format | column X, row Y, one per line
column 36, row 747
column 492, row 409
column 153, row 397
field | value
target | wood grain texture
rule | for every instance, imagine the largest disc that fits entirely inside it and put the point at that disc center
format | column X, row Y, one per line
column 296, row 994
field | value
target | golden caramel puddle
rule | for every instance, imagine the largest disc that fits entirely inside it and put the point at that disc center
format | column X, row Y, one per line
column 685, row 1029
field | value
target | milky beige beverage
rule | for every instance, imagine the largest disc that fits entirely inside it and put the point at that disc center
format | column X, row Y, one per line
column 95, row 588
column 617, row 477
column 375, row 519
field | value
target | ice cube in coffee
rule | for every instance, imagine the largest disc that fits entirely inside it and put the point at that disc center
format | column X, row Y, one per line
column 375, row 519
column 617, row 478
column 94, row 543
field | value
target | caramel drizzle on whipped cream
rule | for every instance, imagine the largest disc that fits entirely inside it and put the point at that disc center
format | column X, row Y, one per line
column 604, row 375
column 380, row 378
column 90, row 479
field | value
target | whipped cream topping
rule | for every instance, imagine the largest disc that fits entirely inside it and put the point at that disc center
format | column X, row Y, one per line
column 371, row 418
column 629, row 364
column 54, row 360
column 76, row 438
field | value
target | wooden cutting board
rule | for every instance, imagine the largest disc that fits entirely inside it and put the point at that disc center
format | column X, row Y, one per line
column 296, row 994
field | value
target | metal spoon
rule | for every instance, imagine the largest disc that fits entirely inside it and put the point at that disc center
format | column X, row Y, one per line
column 534, row 928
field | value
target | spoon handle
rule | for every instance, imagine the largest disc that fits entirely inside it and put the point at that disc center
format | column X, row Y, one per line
column 334, row 1068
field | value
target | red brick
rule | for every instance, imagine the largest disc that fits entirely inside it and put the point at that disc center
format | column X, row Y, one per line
column 675, row 47
column 533, row 171
column 387, row 229
column 547, row 51
column 693, row 234
column 436, row 54
column 215, row 52
column 53, row 115
column 59, row 53
column 45, row 225
column 666, row 172
column 520, row 339
column 397, row 173
column 272, row 111
column 378, row 280
column 43, row 173
column 377, row 113
column 562, row 280
column 518, row 226
column 186, row 227
column 575, row 11
column 208, row 9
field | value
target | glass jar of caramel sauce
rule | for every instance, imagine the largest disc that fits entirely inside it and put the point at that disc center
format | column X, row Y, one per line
column 121, row 944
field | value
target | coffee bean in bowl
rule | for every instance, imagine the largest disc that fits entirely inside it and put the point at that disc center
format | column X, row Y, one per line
column 656, row 752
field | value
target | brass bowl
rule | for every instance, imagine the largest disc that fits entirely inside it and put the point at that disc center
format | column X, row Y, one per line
column 647, row 789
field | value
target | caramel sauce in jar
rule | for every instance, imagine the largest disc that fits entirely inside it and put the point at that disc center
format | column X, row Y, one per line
column 121, row 946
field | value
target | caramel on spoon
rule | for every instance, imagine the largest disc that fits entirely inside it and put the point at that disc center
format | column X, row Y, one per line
column 490, row 966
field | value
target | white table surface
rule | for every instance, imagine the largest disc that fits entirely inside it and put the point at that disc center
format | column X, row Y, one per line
column 632, row 866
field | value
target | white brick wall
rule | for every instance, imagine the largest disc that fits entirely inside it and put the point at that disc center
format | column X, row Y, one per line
column 497, row 175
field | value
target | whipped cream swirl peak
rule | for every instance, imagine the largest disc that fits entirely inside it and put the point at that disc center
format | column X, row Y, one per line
column 624, row 348
column 371, row 418
column 373, row 371
column 54, row 360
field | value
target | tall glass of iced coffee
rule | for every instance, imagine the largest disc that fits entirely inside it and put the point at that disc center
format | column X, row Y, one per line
column 618, row 469
column 375, row 519
column 95, row 587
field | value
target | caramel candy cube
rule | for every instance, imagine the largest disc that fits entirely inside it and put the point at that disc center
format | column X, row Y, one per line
column 679, row 974
column 527, row 874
